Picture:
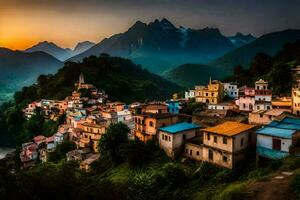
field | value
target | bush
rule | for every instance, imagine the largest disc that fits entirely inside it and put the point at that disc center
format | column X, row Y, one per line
column 234, row 191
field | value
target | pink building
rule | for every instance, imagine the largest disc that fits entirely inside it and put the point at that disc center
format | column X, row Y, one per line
column 246, row 99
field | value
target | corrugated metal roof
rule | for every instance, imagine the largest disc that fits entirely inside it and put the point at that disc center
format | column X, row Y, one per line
column 291, row 120
column 179, row 127
column 276, row 132
column 229, row 128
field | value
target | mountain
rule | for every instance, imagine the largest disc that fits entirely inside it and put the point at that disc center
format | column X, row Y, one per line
column 189, row 75
column 120, row 78
column 160, row 45
column 60, row 53
column 19, row 68
column 52, row 49
column 240, row 39
column 269, row 44
column 82, row 46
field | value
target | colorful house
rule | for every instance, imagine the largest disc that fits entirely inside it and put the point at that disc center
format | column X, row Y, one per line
column 263, row 96
column 147, row 124
column 231, row 90
column 225, row 143
column 275, row 139
column 246, row 99
column 172, row 138
column 213, row 93
column 173, row 106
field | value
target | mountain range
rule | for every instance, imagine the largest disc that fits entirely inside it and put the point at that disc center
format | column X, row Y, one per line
column 60, row 53
column 160, row 45
column 20, row 68
column 221, row 67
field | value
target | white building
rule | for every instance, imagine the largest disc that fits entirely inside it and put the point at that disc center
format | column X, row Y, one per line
column 190, row 94
column 231, row 90
column 263, row 96
column 172, row 138
column 222, row 106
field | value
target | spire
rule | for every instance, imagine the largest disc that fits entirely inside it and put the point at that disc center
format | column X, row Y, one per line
column 210, row 80
column 81, row 78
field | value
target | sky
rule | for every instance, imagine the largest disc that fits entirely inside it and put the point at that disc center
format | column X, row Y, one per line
column 24, row 23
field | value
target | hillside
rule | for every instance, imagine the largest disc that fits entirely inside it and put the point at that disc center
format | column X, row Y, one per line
column 19, row 69
column 160, row 45
column 189, row 75
column 120, row 78
column 269, row 44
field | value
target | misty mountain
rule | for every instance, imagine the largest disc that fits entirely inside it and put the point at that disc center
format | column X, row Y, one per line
column 269, row 44
column 160, row 45
column 82, row 46
column 20, row 68
column 190, row 74
column 60, row 53
column 52, row 49
column 240, row 39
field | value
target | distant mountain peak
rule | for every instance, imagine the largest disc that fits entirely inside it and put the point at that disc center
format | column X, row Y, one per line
column 240, row 39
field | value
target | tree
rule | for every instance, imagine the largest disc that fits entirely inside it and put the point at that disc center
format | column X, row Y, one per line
column 61, row 150
column 113, row 142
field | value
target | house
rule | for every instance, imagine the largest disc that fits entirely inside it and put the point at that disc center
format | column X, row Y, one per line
column 246, row 99
column 275, row 139
column 172, row 137
column 213, row 93
column 58, row 138
column 263, row 96
column 153, row 107
column 173, row 106
column 147, row 124
column 86, row 164
column 222, row 106
column 264, row 117
column 193, row 149
column 231, row 90
column 93, row 129
column 296, row 91
column 282, row 103
column 29, row 154
column 224, row 144
column 189, row 94
column 40, row 140
column 78, row 154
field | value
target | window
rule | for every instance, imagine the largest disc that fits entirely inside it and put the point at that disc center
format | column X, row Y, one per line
column 183, row 136
column 208, row 136
column 151, row 123
column 210, row 154
column 224, row 140
column 276, row 144
column 186, row 151
column 225, row 159
column 215, row 139
column 191, row 152
column 162, row 136
column 198, row 153
column 242, row 142
column 169, row 138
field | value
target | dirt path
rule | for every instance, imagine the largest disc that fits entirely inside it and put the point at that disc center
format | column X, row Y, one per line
column 276, row 187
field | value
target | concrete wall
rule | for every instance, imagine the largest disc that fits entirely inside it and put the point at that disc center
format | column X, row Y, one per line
column 193, row 151
column 259, row 119
column 267, row 142
column 218, row 157
column 219, row 145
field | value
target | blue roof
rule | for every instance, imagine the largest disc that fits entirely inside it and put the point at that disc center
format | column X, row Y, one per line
column 277, row 132
column 284, row 128
column 176, row 128
column 291, row 120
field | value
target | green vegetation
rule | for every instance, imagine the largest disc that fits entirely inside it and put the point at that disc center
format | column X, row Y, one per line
column 276, row 69
column 61, row 150
column 121, row 79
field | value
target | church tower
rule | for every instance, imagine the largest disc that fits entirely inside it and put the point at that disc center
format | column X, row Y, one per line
column 81, row 78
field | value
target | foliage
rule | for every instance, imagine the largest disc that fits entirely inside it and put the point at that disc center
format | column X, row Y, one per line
column 276, row 69
column 61, row 150
column 113, row 142
column 189, row 107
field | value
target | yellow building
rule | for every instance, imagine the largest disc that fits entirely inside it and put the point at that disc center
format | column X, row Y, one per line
column 224, row 144
column 212, row 93
column 91, row 134
column 296, row 91
column 147, row 124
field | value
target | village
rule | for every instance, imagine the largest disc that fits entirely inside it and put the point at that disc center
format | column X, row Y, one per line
column 233, row 120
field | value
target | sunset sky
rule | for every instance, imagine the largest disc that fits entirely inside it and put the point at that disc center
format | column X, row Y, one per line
column 26, row 22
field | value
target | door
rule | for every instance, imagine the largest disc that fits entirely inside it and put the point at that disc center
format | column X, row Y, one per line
column 276, row 144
